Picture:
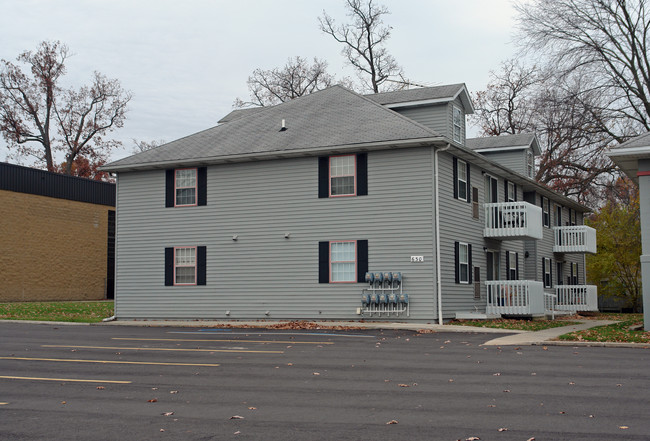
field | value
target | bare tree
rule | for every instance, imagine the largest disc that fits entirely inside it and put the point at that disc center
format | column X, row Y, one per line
column 143, row 146
column 294, row 79
column 604, row 43
column 567, row 122
column 364, row 40
column 38, row 117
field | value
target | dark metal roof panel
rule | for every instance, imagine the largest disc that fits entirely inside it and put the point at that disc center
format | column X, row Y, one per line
column 43, row 183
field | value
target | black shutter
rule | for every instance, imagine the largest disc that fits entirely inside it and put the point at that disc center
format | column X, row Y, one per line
column 323, row 177
column 202, row 187
column 455, row 178
column 469, row 186
column 362, row 176
column 505, row 190
column 495, row 190
column 517, row 265
column 507, row 265
column 169, row 188
column 169, row 266
column 550, row 270
column 323, row 262
column 544, row 272
column 457, row 261
column 469, row 262
column 201, row 254
column 362, row 260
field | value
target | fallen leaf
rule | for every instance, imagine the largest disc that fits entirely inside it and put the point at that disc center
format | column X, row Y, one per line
column 623, row 427
column 252, row 408
column 167, row 413
column 154, row 388
column 447, row 341
column 403, row 385
column 451, row 380
column 236, row 417
column 492, row 405
column 503, row 429
column 153, row 400
column 289, row 364
column 316, row 373
column 571, row 383
column 562, row 412
column 63, row 402
column 237, row 433
column 498, row 374
column 531, row 439
column 507, row 390
column 101, row 387
column 545, row 348
column 173, row 391
column 162, row 430
column 392, row 422
column 472, row 438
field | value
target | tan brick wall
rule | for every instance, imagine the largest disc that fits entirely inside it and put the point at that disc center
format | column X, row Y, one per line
column 51, row 249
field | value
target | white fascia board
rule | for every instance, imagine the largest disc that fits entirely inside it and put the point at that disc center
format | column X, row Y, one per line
column 420, row 102
column 499, row 149
column 630, row 151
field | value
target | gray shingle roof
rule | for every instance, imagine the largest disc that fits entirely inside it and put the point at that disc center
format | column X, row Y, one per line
column 638, row 141
column 331, row 118
column 238, row 113
column 504, row 142
column 436, row 93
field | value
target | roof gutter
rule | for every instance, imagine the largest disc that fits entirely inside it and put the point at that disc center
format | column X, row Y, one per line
column 276, row 154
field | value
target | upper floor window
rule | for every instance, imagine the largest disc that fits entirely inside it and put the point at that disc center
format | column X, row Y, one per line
column 530, row 164
column 185, row 186
column 462, row 180
column 343, row 175
column 546, row 212
column 512, row 192
column 458, row 124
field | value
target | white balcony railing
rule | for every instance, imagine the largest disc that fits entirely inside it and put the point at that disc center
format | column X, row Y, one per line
column 576, row 239
column 513, row 220
column 575, row 298
column 516, row 297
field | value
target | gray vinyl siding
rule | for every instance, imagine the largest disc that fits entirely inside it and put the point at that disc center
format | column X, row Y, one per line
column 457, row 224
column 264, row 271
column 513, row 159
column 434, row 117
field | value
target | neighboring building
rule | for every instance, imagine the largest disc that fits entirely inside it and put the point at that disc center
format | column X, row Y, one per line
column 633, row 157
column 56, row 236
column 285, row 212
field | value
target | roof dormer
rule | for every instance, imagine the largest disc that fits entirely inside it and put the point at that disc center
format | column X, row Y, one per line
column 516, row 152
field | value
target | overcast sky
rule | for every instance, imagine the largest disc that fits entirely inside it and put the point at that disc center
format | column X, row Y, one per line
column 187, row 61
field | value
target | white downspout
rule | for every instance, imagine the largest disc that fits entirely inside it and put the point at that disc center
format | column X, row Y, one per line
column 438, row 273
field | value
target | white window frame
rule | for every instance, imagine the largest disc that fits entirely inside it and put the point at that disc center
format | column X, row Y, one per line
column 334, row 176
column 336, row 263
column 547, row 273
column 462, row 166
column 512, row 192
column 184, row 263
column 185, row 187
column 546, row 212
column 457, row 124
column 512, row 261
column 530, row 163
column 462, row 263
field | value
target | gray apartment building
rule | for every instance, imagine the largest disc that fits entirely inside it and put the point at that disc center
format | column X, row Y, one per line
column 342, row 206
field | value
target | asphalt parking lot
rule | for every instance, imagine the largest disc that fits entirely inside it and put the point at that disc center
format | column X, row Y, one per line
column 113, row 382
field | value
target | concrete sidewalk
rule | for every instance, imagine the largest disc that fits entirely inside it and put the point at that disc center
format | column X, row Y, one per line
column 545, row 336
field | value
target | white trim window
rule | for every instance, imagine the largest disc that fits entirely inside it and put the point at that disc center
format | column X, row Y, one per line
column 530, row 164
column 343, row 177
column 343, row 261
column 512, row 192
column 462, row 180
column 463, row 263
column 457, row 125
column 185, row 266
column 185, row 187
column 546, row 212
column 512, row 265
column 548, row 280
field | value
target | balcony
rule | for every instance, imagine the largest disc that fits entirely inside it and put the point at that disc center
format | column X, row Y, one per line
column 513, row 220
column 515, row 297
column 574, row 298
column 576, row 239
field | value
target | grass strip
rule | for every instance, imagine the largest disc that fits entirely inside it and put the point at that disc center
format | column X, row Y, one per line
column 79, row 312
